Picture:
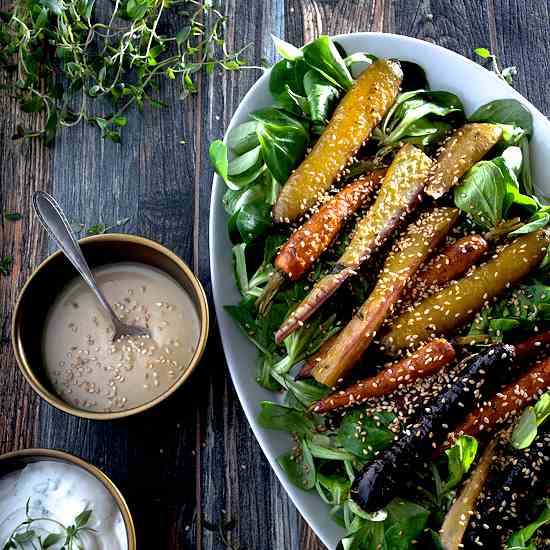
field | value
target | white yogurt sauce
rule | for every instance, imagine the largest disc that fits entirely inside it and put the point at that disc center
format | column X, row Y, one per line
column 61, row 491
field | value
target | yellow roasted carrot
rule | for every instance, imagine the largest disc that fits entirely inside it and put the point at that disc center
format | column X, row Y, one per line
column 408, row 254
column 399, row 194
column 457, row 518
column 460, row 152
column 452, row 307
column 352, row 123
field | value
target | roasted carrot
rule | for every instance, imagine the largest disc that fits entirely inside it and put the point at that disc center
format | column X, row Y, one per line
column 448, row 309
column 405, row 258
column 422, row 363
column 457, row 518
column 533, row 346
column 460, row 152
column 357, row 114
column 506, row 402
column 307, row 368
column 309, row 241
column 399, row 194
column 446, row 266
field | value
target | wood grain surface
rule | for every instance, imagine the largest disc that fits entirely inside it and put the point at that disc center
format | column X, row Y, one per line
column 193, row 459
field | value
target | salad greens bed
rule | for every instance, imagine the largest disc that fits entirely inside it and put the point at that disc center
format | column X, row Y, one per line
column 498, row 197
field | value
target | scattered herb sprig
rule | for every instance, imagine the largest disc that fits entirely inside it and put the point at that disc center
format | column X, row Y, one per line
column 507, row 74
column 5, row 265
column 65, row 56
column 28, row 534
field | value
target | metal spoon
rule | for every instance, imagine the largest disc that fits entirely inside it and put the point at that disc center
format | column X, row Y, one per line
column 55, row 222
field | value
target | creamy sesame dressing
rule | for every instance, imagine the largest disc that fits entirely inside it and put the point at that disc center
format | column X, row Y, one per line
column 88, row 370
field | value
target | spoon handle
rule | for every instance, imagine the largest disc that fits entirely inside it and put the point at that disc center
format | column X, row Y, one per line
column 55, row 223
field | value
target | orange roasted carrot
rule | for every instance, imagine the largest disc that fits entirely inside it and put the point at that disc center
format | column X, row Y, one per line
column 533, row 346
column 311, row 239
column 422, row 363
column 351, row 124
column 446, row 266
column 406, row 257
column 400, row 193
column 506, row 402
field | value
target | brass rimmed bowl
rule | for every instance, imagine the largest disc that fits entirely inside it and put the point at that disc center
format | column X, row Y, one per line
column 51, row 277
column 17, row 460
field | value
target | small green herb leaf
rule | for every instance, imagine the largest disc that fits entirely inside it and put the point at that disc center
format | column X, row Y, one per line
column 5, row 265
column 83, row 518
column 52, row 539
column 483, row 52
column 13, row 216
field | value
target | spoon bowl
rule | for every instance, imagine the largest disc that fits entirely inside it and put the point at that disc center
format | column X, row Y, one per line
column 55, row 222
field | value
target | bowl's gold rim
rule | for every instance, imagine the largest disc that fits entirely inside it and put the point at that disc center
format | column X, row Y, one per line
column 58, row 403
column 105, row 480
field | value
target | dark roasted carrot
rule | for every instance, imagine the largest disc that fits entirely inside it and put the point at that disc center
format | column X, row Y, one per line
column 533, row 346
column 405, row 258
column 352, row 123
column 399, row 194
column 446, row 266
column 460, row 152
column 310, row 240
column 506, row 402
column 422, row 363
column 448, row 309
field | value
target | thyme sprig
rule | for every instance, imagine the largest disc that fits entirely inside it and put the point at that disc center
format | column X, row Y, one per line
column 25, row 536
column 65, row 56
column 507, row 74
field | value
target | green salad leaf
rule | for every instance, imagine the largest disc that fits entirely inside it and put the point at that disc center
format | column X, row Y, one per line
column 520, row 310
column 421, row 117
column 404, row 523
column 490, row 192
column 520, row 539
column 460, row 458
column 365, row 435
column 526, row 428
column 323, row 56
column 218, row 157
column 505, row 111
column 298, row 465
column 283, row 139
column 281, row 417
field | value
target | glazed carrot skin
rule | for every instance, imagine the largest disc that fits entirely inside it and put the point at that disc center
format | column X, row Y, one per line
column 406, row 257
column 457, row 518
column 506, row 402
column 424, row 362
column 310, row 240
column 400, row 193
column 533, row 346
column 352, row 123
column 307, row 368
column 466, row 146
column 451, row 263
column 455, row 305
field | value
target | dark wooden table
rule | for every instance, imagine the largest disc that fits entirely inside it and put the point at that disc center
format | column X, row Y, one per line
column 193, row 459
